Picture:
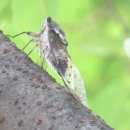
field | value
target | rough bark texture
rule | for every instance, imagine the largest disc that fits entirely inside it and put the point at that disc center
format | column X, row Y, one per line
column 30, row 99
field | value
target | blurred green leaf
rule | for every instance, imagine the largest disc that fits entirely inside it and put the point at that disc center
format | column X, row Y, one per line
column 95, row 32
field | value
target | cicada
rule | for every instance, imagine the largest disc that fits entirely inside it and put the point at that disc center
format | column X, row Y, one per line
column 52, row 43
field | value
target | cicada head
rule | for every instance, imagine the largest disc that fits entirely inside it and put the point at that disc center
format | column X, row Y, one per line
column 51, row 25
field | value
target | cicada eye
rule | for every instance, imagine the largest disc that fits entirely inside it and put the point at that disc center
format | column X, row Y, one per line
column 48, row 19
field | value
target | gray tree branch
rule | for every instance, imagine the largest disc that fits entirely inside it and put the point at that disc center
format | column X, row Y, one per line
column 30, row 99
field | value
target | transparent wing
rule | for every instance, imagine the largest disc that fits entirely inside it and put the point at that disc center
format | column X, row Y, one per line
column 74, row 81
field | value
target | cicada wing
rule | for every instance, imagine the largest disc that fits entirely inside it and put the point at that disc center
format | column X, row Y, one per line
column 74, row 81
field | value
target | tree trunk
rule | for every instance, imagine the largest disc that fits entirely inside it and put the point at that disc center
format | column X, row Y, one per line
column 30, row 99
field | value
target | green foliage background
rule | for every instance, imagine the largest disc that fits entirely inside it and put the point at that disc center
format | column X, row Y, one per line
column 95, row 31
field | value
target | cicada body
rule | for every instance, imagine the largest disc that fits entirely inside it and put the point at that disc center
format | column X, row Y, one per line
column 53, row 45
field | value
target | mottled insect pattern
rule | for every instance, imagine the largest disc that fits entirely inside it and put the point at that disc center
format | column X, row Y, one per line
column 52, row 43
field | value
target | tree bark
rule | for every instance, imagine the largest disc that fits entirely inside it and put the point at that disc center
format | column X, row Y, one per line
column 30, row 99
